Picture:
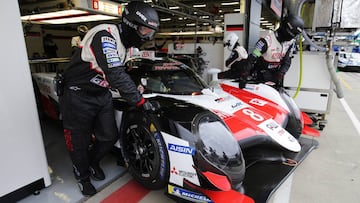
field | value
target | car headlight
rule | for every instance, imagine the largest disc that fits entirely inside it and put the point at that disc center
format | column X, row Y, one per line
column 219, row 151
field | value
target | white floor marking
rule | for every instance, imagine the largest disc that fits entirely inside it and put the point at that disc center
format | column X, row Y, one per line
column 351, row 114
column 282, row 194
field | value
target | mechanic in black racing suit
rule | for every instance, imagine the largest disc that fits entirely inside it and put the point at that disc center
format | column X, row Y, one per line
column 86, row 102
column 271, row 57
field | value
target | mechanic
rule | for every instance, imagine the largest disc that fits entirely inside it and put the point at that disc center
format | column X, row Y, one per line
column 271, row 57
column 233, row 62
column 75, row 41
column 86, row 102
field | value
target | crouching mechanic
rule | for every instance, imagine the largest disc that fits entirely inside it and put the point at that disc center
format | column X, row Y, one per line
column 234, row 62
column 86, row 102
column 271, row 57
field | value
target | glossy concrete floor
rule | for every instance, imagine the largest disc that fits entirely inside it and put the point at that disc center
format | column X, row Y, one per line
column 331, row 173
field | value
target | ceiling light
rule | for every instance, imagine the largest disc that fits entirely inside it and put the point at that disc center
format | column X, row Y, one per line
column 186, row 33
column 199, row 6
column 190, row 24
column 174, row 7
column 67, row 16
column 237, row 10
column 229, row 3
column 165, row 19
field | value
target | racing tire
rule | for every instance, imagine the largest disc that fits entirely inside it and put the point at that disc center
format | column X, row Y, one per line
column 144, row 151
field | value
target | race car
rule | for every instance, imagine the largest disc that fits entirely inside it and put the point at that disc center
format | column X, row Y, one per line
column 348, row 61
column 202, row 143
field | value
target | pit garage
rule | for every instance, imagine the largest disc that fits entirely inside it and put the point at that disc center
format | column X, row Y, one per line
column 200, row 115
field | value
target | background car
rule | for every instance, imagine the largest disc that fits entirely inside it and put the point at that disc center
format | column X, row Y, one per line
column 348, row 61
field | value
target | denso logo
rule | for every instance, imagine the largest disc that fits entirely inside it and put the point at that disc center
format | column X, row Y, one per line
column 181, row 149
column 236, row 105
column 141, row 15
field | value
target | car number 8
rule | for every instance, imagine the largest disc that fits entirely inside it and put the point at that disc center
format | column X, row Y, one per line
column 253, row 115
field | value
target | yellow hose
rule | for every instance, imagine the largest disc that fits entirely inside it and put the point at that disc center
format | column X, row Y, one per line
column 300, row 74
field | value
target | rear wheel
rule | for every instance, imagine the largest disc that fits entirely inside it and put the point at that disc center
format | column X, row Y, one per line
column 144, row 151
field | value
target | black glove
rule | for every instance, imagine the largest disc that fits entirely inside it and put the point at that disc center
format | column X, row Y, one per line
column 150, row 105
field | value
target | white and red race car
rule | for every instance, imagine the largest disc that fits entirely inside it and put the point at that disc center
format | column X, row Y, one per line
column 202, row 144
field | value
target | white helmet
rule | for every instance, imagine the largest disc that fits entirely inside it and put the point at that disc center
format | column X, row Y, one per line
column 231, row 41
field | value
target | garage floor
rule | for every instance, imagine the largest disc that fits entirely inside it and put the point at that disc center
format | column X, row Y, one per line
column 331, row 173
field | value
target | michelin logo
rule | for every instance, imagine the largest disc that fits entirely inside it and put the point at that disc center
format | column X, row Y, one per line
column 181, row 149
column 188, row 195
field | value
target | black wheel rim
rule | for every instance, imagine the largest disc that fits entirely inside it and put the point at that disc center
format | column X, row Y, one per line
column 142, row 152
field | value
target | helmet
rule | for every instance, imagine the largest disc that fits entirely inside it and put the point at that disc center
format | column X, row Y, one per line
column 290, row 27
column 231, row 41
column 139, row 23
column 82, row 29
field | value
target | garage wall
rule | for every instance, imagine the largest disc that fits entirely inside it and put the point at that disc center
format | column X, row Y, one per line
column 22, row 153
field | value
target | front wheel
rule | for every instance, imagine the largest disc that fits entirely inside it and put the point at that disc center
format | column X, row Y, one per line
column 144, row 151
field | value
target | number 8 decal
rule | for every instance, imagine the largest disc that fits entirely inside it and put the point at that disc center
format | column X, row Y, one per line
column 253, row 115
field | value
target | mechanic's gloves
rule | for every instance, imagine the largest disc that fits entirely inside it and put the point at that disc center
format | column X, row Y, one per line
column 148, row 105
column 242, row 83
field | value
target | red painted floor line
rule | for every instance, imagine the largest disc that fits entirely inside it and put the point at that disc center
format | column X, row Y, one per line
column 131, row 192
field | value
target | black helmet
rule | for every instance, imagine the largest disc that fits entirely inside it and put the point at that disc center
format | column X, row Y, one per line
column 139, row 23
column 82, row 29
column 290, row 27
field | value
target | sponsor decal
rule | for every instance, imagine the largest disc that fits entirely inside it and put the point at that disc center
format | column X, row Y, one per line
column 187, row 194
column 166, row 68
column 108, row 45
column 109, row 50
column 141, row 15
column 99, row 80
column 272, row 126
column 115, row 64
column 112, row 60
column 236, row 105
column 183, row 173
column 162, row 155
column 112, row 55
column 181, row 149
column 219, row 100
column 108, row 39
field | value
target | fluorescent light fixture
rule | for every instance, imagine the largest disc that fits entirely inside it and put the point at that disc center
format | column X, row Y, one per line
column 67, row 16
column 190, row 24
column 174, row 7
column 236, row 10
column 199, row 5
column 263, row 21
column 165, row 19
column 186, row 33
column 205, row 17
column 148, row 1
column 266, row 23
column 229, row 3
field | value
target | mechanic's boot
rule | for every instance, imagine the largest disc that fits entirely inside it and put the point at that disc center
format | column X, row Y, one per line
column 86, row 187
column 96, row 172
